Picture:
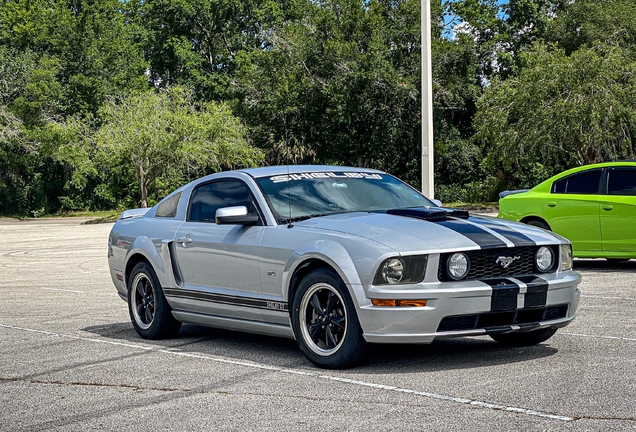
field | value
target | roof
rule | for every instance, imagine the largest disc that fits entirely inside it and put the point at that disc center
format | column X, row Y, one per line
column 295, row 169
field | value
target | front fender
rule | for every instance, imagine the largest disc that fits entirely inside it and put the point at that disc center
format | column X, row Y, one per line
column 158, row 254
column 335, row 255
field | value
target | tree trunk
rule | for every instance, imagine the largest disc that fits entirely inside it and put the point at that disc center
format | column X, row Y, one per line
column 144, row 195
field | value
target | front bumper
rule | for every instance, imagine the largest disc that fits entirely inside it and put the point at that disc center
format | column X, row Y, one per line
column 471, row 308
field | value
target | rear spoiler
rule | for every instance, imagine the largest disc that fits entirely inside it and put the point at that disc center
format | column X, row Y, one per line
column 512, row 192
column 133, row 213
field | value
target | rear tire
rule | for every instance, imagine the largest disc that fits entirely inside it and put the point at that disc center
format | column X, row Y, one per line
column 325, row 322
column 524, row 339
column 538, row 223
column 149, row 311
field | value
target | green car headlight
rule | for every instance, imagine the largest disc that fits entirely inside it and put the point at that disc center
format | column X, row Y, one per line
column 566, row 257
column 401, row 270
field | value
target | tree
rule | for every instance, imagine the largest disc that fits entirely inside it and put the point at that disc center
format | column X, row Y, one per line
column 590, row 22
column 96, row 44
column 167, row 133
column 560, row 111
column 340, row 85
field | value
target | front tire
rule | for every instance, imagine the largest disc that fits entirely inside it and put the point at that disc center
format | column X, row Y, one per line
column 617, row 260
column 149, row 311
column 325, row 322
column 524, row 339
column 538, row 223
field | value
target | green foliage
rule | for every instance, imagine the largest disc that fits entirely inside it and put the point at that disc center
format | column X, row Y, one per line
column 166, row 136
column 105, row 104
column 561, row 111
column 95, row 45
column 586, row 23
column 340, row 85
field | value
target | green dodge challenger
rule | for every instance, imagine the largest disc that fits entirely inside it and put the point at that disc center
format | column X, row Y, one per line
column 594, row 206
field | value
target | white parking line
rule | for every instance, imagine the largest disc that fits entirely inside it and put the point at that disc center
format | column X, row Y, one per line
column 597, row 337
column 79, row 292
column 470, row 402
column 608, row 297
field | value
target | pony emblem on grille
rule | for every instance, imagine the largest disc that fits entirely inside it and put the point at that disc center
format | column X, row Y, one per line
column 505, row 261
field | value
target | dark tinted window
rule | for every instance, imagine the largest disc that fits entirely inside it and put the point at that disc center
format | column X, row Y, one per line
column 207, row 199
column 559, row 187
column 585, row 183
column 168, row 208
column 622, row 181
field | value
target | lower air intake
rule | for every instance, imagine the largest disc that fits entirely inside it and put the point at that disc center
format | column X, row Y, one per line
column 499, row 319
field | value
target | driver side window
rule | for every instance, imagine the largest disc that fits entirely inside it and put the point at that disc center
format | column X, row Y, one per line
column 208, row 198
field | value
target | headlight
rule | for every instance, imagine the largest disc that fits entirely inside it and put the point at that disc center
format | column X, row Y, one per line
column 544, row 258
column 566, row 257
column 402, row 270
column 393, row 270
column 458, row 266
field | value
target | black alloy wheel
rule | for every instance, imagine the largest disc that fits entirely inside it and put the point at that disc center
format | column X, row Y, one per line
column 325, row 322
column 149, row 311
column 323, row 318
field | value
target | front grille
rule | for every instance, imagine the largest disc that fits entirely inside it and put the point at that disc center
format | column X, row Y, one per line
column 483, row 263
column 499, row 319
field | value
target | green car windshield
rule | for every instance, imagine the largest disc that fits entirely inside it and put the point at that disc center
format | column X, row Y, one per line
column 302, row 195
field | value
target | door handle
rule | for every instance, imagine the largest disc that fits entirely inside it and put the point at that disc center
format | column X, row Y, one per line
column 185, row 240
column 607, row 207
column 552, row 204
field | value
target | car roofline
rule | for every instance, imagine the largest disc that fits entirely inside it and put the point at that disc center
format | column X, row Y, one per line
column 295, row 169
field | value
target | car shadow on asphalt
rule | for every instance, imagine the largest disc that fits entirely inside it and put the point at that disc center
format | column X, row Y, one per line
column 450, row 354
column 441, row 355
column 202, row 340
column 604, row 266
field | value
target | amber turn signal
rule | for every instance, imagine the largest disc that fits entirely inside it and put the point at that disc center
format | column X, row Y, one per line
column 412, row 303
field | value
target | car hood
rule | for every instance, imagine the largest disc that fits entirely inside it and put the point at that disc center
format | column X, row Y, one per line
column 412, row 234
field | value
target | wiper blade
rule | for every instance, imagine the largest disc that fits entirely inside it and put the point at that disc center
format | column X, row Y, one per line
column 303, row 218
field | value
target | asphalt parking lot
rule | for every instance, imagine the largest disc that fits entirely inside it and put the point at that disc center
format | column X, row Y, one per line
column 70, row 360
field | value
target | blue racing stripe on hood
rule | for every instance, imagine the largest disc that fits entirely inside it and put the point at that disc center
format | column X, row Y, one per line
column 483, row 238
column 519, row 239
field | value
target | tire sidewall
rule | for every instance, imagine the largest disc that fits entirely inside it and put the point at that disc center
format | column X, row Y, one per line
column 352, row 349
column 156, row 328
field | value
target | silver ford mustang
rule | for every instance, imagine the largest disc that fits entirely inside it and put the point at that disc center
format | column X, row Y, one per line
column 336, row 258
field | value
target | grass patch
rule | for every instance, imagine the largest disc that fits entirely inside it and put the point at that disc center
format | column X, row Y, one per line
column 111, row 217
column 483, row 207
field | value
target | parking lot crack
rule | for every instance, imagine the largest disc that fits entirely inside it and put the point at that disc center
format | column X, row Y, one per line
column 96, row 384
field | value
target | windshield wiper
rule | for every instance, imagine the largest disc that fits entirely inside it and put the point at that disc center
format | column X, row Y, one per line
column 303, row 218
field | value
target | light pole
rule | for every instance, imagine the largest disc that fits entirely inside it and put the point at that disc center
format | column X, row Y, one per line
column 427, row 102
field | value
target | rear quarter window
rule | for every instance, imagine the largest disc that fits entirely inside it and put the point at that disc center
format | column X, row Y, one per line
column 168, row 208
column 581, row 183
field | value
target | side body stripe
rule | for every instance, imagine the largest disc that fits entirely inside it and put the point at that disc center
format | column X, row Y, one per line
column 226, row 299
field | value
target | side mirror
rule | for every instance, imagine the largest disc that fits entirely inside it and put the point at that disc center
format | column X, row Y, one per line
column 437, row 202
column 235, row 216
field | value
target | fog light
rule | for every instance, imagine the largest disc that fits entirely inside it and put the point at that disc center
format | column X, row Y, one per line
column 458, row 266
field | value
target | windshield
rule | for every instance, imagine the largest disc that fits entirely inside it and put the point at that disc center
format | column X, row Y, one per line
column 302, row 195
